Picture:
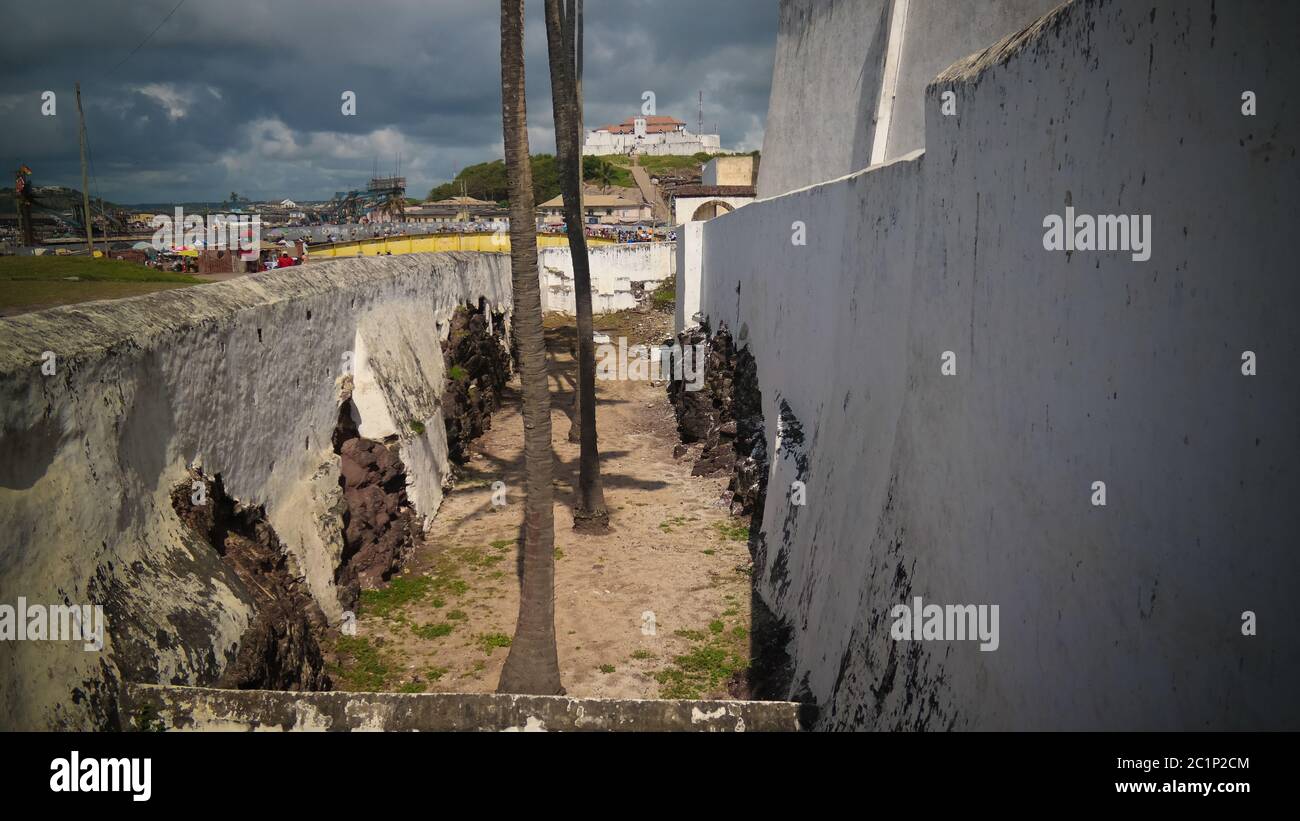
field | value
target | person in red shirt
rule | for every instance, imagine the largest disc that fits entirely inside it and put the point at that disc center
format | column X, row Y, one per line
column 285, row 260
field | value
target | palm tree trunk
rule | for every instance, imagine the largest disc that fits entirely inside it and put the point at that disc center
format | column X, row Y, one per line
column 590, row 511
column 532, row 665
column 575, row 420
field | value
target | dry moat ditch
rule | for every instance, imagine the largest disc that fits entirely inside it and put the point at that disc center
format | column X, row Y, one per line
column 661, row 606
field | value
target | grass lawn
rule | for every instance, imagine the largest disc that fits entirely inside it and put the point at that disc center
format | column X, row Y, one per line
column 84, row 268
column 33, row 283
column 655, row 164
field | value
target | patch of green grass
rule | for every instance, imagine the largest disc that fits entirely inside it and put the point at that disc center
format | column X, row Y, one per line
column 458, row 587
column 504, row 544
column 85, row 269
column 606, row 668
column 366, row 669
column 435, row 673
column 709, row 552
column 488, row 642
column 411, row 687
column 477, row 557
column 735, row 530
column 433, row 631
column 438, row 602
column 668, row 524
column 417, row 427
column 457, row 373
column 659, row 164
column 559, row 554
column 457, row 615
column 643, row 655
column 664, row 297
column 703, row 672
column 399, row 592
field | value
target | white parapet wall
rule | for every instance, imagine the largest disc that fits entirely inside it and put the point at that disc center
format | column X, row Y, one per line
column 241, row 377
column 1068, row 369
column 614, row 270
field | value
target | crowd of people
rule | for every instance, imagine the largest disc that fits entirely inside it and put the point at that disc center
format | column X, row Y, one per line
column 618, row 233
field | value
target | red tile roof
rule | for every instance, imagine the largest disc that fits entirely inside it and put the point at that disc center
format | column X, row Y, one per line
column 654, row 124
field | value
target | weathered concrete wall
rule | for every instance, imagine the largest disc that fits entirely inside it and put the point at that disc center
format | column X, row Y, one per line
column 728, row 171
column 192, row 708
column 242, row 377
column 1072, row 368
column 613, row 270
column 830, row 78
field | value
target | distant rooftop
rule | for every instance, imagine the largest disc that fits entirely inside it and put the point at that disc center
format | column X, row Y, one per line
column 471, row 201
column 714, row 191
column 655, row 124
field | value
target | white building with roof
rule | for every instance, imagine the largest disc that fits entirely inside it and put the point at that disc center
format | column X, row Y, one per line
column 652, row 135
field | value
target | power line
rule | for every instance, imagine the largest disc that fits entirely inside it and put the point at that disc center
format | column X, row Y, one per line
column 147, row 38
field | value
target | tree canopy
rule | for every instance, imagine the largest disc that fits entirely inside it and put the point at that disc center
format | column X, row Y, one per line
column 487, row 181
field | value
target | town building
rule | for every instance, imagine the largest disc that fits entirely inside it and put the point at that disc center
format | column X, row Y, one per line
column 456, row 210
column 602, row 209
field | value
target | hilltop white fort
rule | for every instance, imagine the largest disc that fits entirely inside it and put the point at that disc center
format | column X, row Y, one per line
column 655, row 134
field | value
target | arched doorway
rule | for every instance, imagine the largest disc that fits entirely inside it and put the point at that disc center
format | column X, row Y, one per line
column 711, row 209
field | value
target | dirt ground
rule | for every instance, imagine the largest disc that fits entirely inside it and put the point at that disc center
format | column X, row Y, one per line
column 658, row 607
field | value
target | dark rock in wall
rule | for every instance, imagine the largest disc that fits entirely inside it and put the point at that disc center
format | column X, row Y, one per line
column 379, row 526
column 280, row 649
column 694, row 409
column 727, row 417
column 478, row 367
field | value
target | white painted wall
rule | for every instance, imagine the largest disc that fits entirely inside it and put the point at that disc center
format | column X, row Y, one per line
column 242, row 376
column 975, row 488
column 829, row 79
column 680, row 143
column 613, row 270
column 690, row 252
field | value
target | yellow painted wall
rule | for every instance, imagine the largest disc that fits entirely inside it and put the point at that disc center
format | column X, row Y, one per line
column 485, row 242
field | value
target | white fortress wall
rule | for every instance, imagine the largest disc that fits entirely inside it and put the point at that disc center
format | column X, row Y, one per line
column 1072, row 368
column 846, row 69
column 613, row 270
column 243, row 377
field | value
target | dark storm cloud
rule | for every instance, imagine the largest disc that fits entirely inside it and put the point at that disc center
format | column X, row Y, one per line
column 245, row 96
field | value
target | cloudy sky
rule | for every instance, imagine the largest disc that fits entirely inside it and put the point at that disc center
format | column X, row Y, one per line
column 245, row 95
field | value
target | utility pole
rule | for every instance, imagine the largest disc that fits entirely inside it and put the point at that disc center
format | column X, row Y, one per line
column 700, row 124
column 85, row 186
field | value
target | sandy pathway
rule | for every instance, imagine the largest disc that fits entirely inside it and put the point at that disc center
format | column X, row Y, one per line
column 658, row 607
